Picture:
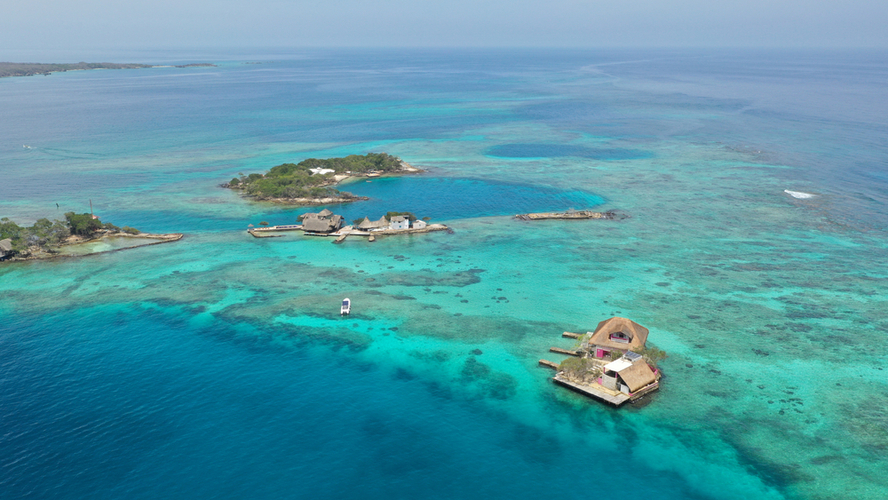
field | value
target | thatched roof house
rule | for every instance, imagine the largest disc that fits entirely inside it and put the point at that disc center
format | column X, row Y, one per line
column 369, row 224
column 323, row 222
column 627, row 375
column 617, row 334
column 638, row 376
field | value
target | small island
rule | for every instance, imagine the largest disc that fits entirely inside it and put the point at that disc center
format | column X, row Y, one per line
column 47, row 239
column 312, row 181
column 8, row 69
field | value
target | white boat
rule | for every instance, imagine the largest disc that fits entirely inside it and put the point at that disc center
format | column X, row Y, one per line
column 346, row 307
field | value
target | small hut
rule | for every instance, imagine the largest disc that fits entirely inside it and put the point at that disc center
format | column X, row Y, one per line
column 617, row 334
column 627, row 375
column 400, row 222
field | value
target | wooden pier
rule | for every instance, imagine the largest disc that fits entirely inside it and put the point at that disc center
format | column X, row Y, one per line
column 570, row 335
column 549, row 364
column 286, row 227
column 342, row 237
column 565, row 351
column 570, row 214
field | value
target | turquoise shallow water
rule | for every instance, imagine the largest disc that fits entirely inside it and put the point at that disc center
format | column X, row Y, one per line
column 218, row 366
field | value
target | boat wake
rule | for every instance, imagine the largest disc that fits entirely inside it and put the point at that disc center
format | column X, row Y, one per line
column 798, row 194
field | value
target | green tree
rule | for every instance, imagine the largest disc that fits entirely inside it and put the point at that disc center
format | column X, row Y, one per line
column 82, row 224
column 651, row 354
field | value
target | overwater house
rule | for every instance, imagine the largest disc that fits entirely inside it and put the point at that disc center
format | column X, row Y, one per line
column 369, row 225
column 324, row 221
column 400, row 222
column 616, row 334
column 629, row 374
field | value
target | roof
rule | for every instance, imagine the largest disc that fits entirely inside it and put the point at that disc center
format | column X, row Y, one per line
column 399, row 218
column 616, row 366
column 371, row 224
column 637, row 334
column 325, row 213
column 315, row 225
column 638, row 375
column 632, row 356
column 6, row 245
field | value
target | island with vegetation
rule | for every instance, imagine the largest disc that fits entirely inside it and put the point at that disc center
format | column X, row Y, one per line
column 31, row 69
column 313, row 181
column 45, row 238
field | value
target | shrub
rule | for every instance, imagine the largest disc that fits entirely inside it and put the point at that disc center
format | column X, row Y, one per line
column 579, row 369
column 651, row 354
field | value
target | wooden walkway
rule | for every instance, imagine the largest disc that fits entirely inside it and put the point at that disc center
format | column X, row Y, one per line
column 589, row 390
column 565, row 351
column 570, row 335
column 288, row 227
column 548, row 364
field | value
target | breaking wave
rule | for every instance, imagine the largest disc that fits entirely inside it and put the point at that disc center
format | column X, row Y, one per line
column 798, row 194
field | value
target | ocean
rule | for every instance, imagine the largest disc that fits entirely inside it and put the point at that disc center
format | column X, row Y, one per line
column 219, row 367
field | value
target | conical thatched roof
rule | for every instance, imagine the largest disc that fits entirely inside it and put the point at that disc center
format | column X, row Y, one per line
column 637, row 334
column 325, row 213
column 370, row 224
column 638, row 375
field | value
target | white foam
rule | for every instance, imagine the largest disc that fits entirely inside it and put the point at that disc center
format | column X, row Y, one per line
column 798, row 194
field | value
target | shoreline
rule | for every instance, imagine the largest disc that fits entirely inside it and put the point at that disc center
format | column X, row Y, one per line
column 13, row 70
column 46, row 255
column 336, row 180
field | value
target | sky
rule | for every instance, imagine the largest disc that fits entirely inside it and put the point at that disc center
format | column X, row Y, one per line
column 39, row 25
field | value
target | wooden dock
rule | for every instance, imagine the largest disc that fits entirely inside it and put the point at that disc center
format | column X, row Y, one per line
column 588, row 390
column 286, row 227
column 341, row 237
column 565, row 351
column 548, row 364
column 570, row 214
column 570, row 335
